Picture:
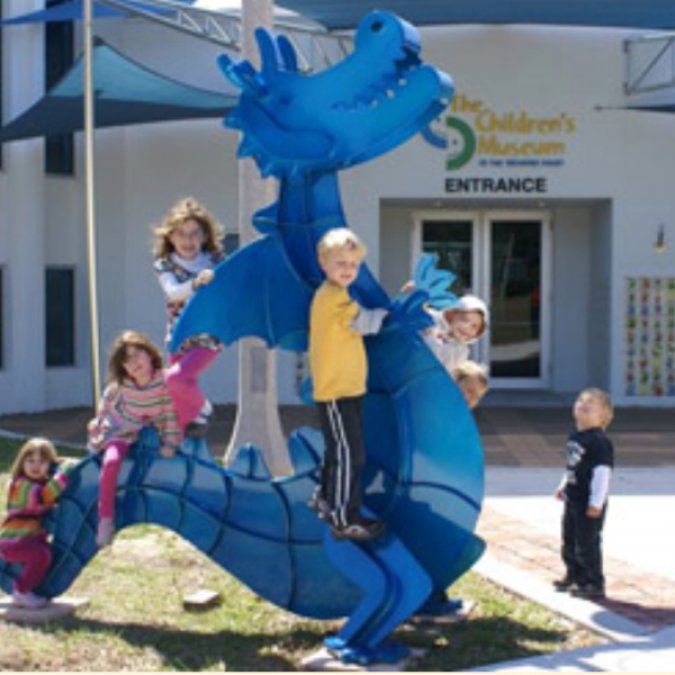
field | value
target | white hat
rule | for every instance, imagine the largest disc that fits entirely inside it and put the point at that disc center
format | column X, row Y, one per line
column 471, row 303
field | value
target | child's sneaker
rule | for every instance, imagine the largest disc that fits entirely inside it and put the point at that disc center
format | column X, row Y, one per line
column 564, row 584
column 197, row 428
column 363, row 529
column 205, row 413
column 319, row 505
column 29, row 600
column 588, row 591
column 105, row 532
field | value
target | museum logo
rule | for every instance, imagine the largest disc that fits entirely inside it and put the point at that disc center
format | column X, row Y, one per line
column 474, row 131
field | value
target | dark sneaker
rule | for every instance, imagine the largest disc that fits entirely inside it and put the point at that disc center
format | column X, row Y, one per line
column 205, row 413
column 362, row 530
column 319, row 505
column 195, row 430
column 588, row 591
column 564, row 584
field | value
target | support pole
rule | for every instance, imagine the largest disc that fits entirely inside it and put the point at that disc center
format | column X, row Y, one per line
column 257, row 419
column 90, row 210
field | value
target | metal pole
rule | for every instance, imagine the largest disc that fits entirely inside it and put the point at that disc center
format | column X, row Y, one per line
column 89, row 197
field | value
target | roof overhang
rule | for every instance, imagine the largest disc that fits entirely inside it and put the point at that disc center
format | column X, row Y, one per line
column 642, row 14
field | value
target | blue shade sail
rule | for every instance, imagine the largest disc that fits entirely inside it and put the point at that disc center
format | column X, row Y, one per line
column 72, row 10
column 125, row 93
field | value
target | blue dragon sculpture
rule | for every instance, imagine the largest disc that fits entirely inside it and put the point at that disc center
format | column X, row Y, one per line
column 424, row 474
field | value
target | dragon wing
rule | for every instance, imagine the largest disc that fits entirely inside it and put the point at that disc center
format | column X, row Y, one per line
column 254, row 293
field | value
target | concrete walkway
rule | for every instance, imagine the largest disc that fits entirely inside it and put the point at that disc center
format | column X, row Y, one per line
column 521, row 521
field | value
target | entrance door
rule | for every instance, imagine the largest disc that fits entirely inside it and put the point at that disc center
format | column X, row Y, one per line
column 504, row 257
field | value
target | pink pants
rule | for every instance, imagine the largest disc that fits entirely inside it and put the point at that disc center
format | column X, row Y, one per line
column 113, row 455
column 35, row 555
column 181, row 381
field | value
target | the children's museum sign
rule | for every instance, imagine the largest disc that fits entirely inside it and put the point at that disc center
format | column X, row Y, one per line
column 478, row 135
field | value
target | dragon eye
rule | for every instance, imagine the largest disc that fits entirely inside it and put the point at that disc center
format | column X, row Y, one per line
column 377, row 26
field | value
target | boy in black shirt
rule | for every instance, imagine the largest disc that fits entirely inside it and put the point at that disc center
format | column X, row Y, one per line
column 584, row 489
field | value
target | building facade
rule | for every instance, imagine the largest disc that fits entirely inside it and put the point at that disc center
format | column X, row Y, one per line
column 541, row 195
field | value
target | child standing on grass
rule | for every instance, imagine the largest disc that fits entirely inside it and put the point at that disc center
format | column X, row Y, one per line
column 338, row 364
column 585, row 489
column 187, row 246
column 33, row 492
column 136, row 396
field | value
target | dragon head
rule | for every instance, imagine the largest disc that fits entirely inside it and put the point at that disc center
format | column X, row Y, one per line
column 372, row 101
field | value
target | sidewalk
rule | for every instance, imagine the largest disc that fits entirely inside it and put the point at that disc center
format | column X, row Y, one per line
column 520, row 521
column 521, row 525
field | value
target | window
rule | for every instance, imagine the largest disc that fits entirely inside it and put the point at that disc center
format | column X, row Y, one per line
column 59, row 148
column 2, row 321
column 230, row 242
column 451, row 241
column 2, row 120
column 60, row 316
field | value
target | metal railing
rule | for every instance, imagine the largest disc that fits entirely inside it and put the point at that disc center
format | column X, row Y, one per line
column 316, row 48
column 650, row 63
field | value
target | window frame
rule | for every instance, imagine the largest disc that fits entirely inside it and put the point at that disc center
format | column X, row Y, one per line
column 59, row 158
column 69, row 343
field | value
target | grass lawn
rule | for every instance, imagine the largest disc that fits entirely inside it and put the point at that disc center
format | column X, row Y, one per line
column 136, row 621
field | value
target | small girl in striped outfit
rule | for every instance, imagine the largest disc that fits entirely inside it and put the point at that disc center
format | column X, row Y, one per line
column 33, row 492
column 136, row 396
column 187, row 246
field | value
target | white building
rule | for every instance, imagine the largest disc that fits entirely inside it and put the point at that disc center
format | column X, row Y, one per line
column 546, row 205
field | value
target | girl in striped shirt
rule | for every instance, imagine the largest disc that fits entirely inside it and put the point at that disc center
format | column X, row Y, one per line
column 33, row 492
column 136, row 396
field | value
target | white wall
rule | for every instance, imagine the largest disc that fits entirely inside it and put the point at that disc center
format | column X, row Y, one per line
column 601, row 282
column 23, row 229
column 571, row 301
column 396, row 230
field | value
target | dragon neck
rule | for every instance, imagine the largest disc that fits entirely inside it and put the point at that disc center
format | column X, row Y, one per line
column 309, row 205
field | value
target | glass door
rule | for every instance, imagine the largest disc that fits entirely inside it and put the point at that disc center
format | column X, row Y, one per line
column 516, row 280
column 452, row 241
column 503, row 257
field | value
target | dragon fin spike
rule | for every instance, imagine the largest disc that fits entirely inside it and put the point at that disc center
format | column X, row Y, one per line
column 269, row 54
column 225, row 63
column 246, row 149
column 287, row 53
column 233, row 120
column 244, row 76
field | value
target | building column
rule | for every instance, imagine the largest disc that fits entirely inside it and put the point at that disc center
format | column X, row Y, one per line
column 25, row 211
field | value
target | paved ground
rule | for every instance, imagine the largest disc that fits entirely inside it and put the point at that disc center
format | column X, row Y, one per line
column 513, row 435
column 521, row 523
column 520, row 520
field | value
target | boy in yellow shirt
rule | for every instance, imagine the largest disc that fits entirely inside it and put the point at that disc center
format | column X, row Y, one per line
column 337, row 359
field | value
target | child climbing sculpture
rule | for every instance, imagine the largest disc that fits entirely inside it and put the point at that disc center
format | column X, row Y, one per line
column 33, row 492
column 338, row 364
column 136, row 396
column 187, row 247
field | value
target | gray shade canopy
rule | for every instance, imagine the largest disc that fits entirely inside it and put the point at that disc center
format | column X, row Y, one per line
column 343, row 14
column 125, row 93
